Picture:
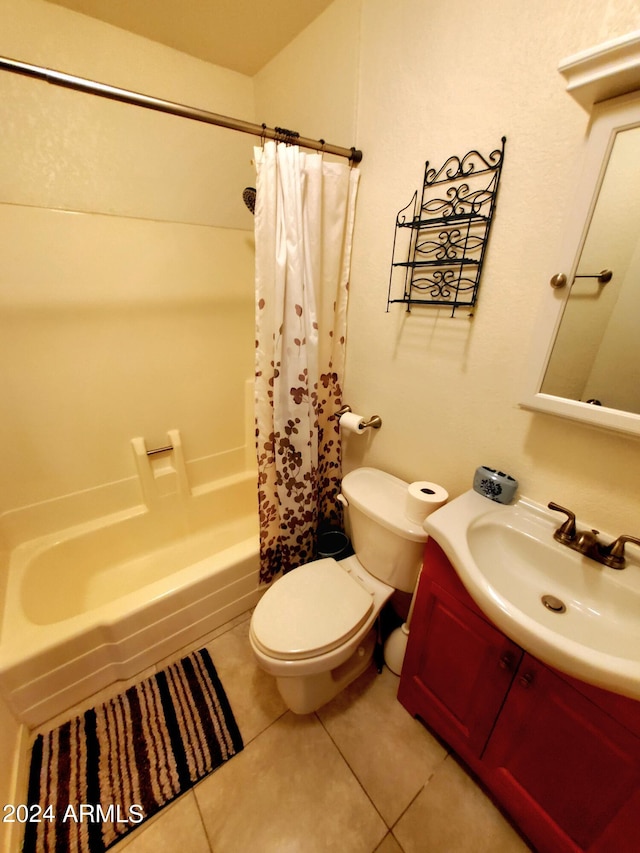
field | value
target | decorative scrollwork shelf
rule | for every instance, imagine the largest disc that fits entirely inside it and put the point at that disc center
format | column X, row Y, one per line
column 444, row 234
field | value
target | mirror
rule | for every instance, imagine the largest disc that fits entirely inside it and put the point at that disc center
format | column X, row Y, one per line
column 585, row 362
column 596, row 353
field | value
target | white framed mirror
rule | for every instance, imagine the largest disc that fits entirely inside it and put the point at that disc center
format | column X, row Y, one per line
column 585, row 360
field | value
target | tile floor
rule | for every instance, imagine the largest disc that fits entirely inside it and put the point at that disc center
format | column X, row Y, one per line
column 358, row 776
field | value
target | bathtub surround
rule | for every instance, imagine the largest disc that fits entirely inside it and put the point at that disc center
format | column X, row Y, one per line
column 304, row 218
column 127, row 276
column 161, row 470
column 125, row 760
column 116, row 327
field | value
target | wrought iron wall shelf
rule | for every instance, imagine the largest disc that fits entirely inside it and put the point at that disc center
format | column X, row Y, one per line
column 443, row 234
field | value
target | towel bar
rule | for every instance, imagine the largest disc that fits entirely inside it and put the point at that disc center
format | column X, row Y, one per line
column 160, row 450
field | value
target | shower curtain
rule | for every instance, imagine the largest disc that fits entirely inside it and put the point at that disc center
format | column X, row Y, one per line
column 303, row 231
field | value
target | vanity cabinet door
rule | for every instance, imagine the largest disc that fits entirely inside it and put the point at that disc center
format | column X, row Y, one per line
column 565, row 770
column 457, row 669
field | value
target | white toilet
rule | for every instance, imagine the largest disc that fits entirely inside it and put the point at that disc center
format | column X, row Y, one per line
column 314, row 628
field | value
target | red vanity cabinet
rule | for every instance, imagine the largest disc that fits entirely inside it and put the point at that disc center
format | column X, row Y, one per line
column 460, row 672
column 561, row 757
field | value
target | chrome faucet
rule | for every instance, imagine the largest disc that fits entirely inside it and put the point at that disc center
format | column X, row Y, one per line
column 586, row 541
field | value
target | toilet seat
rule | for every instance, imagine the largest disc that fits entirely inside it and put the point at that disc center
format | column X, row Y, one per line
column 309, row 611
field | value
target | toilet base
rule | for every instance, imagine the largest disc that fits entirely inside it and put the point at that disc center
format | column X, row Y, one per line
column 304, row 694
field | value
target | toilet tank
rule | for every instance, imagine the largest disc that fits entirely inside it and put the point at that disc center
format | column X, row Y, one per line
column 387, row 543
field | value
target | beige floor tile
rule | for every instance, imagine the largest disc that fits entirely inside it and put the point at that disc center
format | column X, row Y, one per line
column 453, row 814
column 289, row 790
column 253, row 695
column 178, row 827
column 392, row 754
column 389, row 845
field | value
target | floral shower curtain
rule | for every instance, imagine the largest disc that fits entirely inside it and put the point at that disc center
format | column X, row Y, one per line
column 303, row 231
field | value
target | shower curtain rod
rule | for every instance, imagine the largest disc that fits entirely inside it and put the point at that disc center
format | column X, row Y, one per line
column 81, row 84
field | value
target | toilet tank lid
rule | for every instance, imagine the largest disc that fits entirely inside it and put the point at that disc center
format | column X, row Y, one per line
column 383, row 498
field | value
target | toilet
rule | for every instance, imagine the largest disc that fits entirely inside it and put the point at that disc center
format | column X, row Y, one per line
column 314, row 628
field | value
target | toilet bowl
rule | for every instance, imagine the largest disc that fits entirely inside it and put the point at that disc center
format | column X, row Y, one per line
column 315, row 627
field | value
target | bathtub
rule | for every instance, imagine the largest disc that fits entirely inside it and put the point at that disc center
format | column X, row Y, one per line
column 106, row 599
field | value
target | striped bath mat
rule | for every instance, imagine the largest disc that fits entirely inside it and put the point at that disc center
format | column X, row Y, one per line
column 98, row 776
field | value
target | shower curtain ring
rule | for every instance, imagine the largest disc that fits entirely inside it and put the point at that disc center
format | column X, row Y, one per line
column 289, row 137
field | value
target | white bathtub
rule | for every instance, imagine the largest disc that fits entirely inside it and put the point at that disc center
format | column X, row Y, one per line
column 104, row 600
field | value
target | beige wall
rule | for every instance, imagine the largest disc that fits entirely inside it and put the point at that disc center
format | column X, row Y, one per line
column 311, row 86
column 436, row 79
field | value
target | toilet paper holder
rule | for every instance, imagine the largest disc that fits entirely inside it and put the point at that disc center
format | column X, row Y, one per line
column 375, row 421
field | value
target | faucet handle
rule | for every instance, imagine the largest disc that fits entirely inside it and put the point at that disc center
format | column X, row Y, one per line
column 613, row 554
column 567, row 530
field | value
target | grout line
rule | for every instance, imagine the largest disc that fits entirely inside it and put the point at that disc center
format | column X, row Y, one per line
column 354, row 774
column 417, row 794
column 266, row 729
column 204, row 826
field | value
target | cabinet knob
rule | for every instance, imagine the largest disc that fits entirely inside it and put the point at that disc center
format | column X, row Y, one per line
column 526, row 680
column 506, row 661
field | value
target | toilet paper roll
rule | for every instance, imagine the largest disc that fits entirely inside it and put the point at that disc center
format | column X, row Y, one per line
column 423, row 498
column 351, row 423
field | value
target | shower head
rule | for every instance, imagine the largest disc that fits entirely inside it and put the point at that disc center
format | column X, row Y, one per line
column 249, row 198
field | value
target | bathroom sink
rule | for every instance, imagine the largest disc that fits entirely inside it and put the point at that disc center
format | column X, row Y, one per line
column 510, row 564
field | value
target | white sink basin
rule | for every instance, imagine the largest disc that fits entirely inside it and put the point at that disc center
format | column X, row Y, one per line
column 507, row 559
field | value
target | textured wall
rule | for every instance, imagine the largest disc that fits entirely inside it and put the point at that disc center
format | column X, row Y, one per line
column 436, row 79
